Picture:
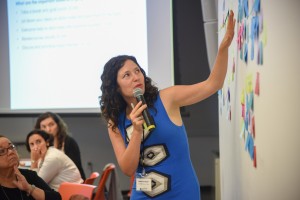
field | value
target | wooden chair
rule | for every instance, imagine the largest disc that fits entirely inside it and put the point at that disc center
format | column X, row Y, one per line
column 67, row 189
column 100, row 191
column 92, row 178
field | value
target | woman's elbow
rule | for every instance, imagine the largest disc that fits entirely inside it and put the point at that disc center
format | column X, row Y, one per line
column 219, row 86
column 215, row 87
column 128, row 172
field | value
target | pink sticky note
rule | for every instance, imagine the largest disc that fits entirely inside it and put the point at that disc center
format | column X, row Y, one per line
column 240, row 36
column 257, row 84
column 253, row 126
column 243, row 111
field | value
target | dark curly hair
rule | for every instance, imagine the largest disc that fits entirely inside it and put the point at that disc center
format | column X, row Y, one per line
column 47, row 137
column 111, row 101
column 62, row 126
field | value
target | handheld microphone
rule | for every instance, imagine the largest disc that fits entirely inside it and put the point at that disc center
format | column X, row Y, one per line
column 149, row 121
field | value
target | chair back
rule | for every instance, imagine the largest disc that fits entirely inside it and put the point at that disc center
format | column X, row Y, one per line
column 67, row 189
column 92, row 178
column 100, row 191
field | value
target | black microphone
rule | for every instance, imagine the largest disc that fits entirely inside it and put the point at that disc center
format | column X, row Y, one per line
column 149, row 121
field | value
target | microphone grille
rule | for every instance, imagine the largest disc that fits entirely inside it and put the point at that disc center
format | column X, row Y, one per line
column 137, row 92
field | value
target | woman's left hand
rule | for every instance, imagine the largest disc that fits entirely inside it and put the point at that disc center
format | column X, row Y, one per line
column 229, row 31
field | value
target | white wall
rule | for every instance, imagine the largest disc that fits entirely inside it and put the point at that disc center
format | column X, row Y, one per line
column 277, row 109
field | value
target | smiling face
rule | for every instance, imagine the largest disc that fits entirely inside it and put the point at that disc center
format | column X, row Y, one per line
column 130, row 77
column 11, row 158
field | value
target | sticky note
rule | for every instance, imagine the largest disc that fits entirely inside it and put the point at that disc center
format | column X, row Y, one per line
column 256, row 90
column 254, row 157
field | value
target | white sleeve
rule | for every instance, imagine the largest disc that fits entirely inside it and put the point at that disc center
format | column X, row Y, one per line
column 50, row 167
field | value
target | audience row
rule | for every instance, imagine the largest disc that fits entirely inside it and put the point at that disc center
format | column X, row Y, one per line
column 55, row 158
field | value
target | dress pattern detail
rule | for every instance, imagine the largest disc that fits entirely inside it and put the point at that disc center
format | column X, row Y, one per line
column 154, row 155
column 160, row 183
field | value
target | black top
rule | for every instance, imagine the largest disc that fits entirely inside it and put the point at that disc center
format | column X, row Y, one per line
column 71, row 149
column 32, row 178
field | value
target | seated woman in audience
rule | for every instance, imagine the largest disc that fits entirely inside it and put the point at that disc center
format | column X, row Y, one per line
column 53, row 124
column 20, row 183
column 51, row 164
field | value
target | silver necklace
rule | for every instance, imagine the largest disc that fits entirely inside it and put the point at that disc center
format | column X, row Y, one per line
column 6, row 194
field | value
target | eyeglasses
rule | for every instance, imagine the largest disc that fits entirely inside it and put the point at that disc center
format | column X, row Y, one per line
column 4, row 151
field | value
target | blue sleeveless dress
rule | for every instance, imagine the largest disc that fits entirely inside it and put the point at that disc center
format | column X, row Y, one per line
column 166, row 159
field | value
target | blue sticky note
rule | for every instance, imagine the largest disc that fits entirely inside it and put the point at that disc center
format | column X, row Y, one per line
column 252, row 49
column 246, row 120
column 220, row 93
column 256, row 6
column 242, row 53
column 228, row 95
column 247, row 140
column 240, row 11
column 245, row 32
column 242, row 130
column 245, row 56
column 251, row 147
column 254, row 34
column 246, row 9
column 251, row 100
column 255, row 25
column 260, row 55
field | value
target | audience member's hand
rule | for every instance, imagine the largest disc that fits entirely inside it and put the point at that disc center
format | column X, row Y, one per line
column 38, row 154
column 21, row 181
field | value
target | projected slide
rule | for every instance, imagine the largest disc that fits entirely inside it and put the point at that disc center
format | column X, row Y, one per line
column 58, row 47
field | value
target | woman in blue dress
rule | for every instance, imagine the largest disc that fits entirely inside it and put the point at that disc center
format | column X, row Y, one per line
column 156, row 154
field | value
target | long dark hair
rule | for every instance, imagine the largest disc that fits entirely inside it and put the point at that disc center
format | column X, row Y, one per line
column 111, row 101
column 62, row 126
column 47, row 137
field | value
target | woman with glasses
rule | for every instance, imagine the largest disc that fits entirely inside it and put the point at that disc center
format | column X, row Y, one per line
column 18, row 183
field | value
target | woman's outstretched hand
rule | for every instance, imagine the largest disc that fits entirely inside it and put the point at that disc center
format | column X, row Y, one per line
column 229, row 31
